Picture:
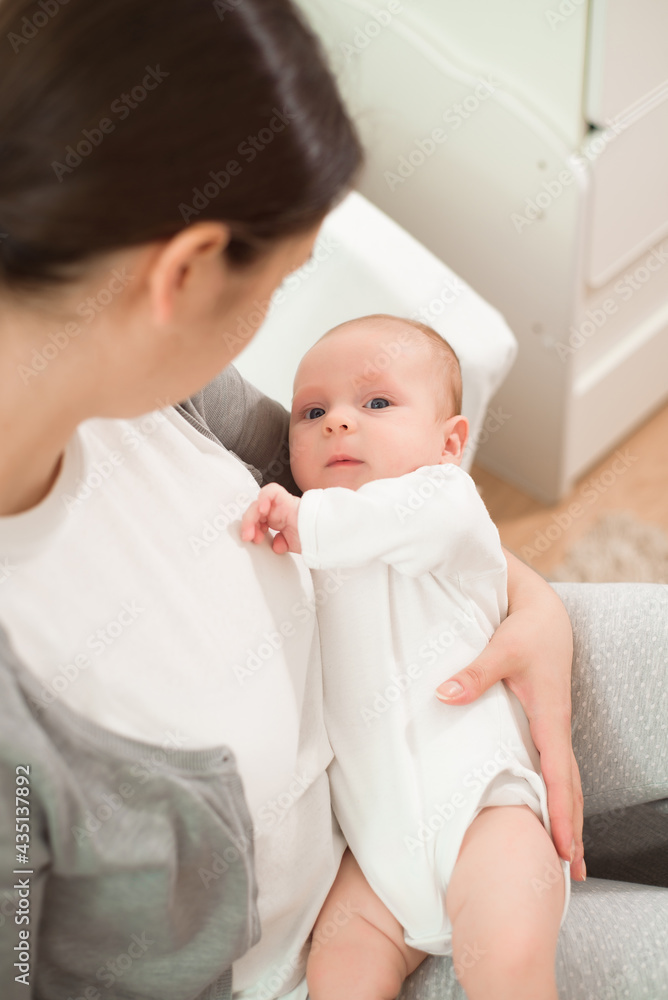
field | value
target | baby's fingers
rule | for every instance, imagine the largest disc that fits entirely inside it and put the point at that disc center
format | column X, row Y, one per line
column 270, row 496
column 264, row 504
column 250, row 526
column 279, row 544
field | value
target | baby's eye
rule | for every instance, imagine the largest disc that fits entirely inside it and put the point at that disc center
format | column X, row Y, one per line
column 377, row 403
column 314, row 413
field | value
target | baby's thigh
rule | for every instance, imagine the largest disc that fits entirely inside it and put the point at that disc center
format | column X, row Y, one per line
column 356, row 936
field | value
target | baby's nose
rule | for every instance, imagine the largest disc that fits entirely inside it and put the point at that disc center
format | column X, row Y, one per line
column 333, row 425
column 337, row 422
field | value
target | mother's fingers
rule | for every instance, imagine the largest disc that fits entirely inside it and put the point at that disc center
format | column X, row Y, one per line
column 469, row 683
column 552, row 736
column 578, row 869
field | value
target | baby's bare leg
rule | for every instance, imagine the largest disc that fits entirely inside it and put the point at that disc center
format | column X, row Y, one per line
column 358, row 950
column 505, row 901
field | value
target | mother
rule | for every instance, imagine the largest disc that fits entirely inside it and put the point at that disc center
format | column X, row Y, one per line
column 162, row 167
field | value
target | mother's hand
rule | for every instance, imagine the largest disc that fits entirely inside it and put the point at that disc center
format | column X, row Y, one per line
column 532, row 651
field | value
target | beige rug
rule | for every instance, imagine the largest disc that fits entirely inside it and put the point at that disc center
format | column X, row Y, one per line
column 618, row 548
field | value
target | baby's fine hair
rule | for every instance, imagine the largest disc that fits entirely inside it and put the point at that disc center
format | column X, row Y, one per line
column 446, row 362
column 444, row 358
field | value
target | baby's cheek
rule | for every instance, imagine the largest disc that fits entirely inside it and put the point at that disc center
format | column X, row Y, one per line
column 300, row 462
column 401, row 456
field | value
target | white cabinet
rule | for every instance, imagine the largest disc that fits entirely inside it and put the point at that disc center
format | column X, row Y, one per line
column 629, row 179
column 525, row 142
column 627, row 56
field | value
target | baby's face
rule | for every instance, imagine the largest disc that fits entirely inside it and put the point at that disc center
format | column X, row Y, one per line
column 364, row 408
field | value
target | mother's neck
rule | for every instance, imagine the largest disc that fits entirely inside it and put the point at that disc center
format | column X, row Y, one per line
column 39, row 411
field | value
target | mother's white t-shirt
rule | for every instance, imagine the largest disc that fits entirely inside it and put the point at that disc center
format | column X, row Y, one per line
column 163, row 626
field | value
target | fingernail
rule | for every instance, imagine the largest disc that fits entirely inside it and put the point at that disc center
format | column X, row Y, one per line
column 584, row 871
column 449, row 690
column 572, row 850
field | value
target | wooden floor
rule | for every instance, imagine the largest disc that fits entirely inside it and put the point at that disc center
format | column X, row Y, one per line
column 634, row 477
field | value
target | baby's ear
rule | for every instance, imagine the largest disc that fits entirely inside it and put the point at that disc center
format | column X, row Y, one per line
column 455, row 436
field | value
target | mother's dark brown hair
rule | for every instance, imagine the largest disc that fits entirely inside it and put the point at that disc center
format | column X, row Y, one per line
column 120, row 120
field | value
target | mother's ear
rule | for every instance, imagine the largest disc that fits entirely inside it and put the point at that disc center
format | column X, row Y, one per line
column 183, row 265
column 455, row 436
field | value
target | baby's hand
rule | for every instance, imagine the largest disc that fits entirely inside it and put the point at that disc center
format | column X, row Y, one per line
column 277, row 509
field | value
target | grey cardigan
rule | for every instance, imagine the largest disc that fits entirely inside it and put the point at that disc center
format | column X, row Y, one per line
column 140, row 881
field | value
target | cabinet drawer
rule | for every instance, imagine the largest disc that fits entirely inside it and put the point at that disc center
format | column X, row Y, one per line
column 627, row 55
column 629, row 203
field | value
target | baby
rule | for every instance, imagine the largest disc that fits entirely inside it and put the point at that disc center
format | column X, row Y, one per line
column 443, row 807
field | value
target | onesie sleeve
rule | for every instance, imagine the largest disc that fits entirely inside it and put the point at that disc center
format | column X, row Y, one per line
column 427, row 521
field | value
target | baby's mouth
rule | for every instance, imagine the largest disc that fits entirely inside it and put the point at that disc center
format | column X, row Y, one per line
column 342, row 460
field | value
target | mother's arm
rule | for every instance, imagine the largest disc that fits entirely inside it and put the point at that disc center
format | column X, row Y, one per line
column 246, row 422
column 532, row 652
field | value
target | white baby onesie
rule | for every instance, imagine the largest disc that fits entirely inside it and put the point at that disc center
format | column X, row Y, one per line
column 420, row 588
